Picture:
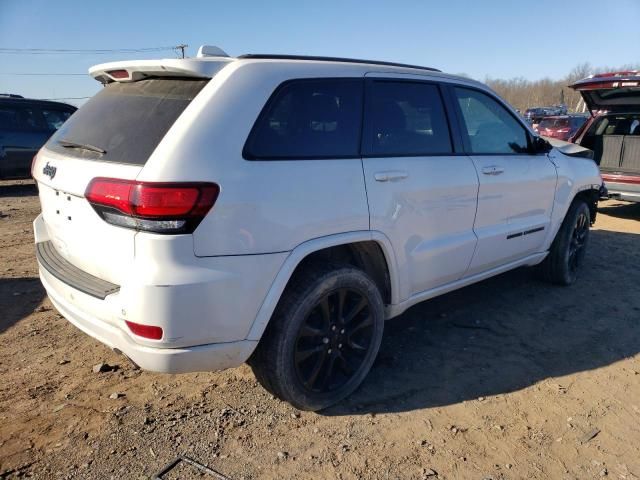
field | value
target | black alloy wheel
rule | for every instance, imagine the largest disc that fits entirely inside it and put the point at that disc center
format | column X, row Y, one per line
column 333, row 340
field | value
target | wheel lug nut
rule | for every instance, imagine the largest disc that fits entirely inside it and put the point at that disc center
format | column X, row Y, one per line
column 325, row 340
column 333, row 328
column 329, row 351
column 339, row 345
column 342, row 331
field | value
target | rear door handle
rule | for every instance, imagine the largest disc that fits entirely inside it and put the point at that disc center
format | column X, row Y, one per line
column 390, row 176
column 492, row 170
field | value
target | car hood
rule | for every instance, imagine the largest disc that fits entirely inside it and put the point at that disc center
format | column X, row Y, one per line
column 614, row 92
column 570, row 149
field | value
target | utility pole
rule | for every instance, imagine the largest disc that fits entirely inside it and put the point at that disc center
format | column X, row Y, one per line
column 181, row 47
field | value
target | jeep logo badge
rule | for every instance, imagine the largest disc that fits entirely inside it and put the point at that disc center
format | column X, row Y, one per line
column 49, row 170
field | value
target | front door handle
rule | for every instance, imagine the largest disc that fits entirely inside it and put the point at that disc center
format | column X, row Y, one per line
column 390, row 176
column 492, row 170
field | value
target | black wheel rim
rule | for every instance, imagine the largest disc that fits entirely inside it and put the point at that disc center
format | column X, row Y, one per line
column 578, row 241
column 333, row 340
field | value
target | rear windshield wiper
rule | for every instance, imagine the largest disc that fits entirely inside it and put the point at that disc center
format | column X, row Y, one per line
column 81, row 146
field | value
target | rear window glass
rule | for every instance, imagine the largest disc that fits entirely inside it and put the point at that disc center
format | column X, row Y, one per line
column 554, row 123
column 54, row 118
column 20, row 119
column 309, row 119
column 125, row 122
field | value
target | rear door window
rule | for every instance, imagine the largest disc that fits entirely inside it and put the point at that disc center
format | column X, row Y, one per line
column 308, row 119
column 126, row 121
column 405, row 119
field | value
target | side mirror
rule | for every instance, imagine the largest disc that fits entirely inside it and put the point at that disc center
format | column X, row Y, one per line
column 540, row 145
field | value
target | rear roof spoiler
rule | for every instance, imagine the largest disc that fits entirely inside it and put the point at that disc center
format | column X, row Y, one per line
column 132, row 70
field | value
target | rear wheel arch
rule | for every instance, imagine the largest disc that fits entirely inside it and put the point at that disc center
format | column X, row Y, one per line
column 366, row 256
column 368, row 251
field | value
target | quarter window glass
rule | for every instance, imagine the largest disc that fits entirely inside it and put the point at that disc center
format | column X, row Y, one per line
column 309, row 119
column 489, row 126
column 406, row 118
column 55, row 118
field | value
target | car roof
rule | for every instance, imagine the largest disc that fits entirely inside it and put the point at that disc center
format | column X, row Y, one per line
column 34, row 101
column 265, row 56
column 208, row 66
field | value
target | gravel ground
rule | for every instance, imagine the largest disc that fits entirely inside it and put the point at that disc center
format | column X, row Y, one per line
column 507, row 379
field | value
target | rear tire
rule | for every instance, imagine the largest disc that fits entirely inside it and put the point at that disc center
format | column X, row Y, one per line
column 323, row 337
column 569, row 247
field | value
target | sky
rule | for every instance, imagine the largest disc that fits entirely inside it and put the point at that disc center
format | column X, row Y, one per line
column 480, row 38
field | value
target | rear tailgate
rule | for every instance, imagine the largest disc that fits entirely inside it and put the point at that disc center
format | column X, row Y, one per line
column 112, row 136
column 614, row 92
column 74, row 228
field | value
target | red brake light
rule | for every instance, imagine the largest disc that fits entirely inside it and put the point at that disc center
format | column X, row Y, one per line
column 33, row 164
column 110, row 193
column 150, row 201
column 156, row 207
column 147, row 331
column 119, row 74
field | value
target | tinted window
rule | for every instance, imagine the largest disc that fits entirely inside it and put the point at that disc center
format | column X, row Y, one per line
column 309, row 119
column 55, row 118
column 554, row 123
column 19, row 118
column 489, row 126
column 126, row 120
column 405, row 118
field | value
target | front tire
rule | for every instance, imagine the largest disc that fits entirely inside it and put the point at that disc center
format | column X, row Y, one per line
column 323, row 337
column 569, row 247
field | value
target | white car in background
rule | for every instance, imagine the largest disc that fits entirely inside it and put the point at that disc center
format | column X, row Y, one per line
column 200, row 213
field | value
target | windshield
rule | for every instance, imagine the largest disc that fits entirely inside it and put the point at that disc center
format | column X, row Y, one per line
column 125, row 122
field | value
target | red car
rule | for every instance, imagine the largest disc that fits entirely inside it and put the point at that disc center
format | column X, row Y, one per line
column 560, row 126
column 613, row 131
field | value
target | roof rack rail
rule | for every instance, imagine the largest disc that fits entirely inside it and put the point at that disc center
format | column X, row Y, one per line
column 334, row 59
column 10, row 95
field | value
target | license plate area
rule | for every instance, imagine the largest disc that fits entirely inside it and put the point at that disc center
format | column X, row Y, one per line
column 61, row 214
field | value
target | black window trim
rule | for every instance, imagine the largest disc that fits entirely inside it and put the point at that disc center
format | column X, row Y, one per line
column 457, row 113
column 454, row 134
column 247, row 155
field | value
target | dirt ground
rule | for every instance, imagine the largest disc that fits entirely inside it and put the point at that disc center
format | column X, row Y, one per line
column 508, row 379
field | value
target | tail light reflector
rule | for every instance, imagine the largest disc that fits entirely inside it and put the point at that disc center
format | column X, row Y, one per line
column 146, row 331
column 150, row 206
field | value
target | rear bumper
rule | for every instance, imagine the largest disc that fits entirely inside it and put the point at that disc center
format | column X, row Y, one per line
column 201, row 358
column 623, row 187
column 205, row 306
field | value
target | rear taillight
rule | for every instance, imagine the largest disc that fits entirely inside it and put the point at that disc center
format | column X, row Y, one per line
column 33, row 164
column 152, row 207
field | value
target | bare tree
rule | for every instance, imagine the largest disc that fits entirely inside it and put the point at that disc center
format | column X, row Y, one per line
column 523, row 93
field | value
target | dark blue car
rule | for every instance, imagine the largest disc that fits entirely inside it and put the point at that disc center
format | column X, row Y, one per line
column 25, row 125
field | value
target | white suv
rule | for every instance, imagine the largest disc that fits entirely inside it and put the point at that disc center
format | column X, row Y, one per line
column 204, row 212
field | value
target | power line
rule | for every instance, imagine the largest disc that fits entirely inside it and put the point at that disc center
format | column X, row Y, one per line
column 78, row 51
column 44, row 74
